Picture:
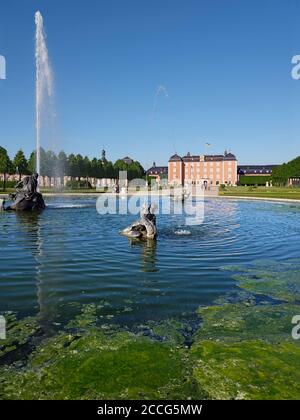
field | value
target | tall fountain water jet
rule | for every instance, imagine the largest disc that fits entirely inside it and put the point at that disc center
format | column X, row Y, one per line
column 44, row 81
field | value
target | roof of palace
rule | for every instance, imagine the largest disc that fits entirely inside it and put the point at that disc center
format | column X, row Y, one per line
column 214, row 158
column 229, row 156
column 175, row 158
column 206, row 158
column 157, row 170
column 191, row 158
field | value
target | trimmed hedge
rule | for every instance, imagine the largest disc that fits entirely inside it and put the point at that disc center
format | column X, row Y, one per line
column 254, row 180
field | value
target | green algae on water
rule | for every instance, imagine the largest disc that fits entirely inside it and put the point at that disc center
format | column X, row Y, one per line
column 87, row 317
column 246, row 351
column 19, row 332
column 279, row 280
column 247, row 369
column 235, row 322
column 242, row 350
column 97, row 366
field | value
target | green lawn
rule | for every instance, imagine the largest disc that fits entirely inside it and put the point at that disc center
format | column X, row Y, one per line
column 7, row 191
column 263, row 192
column 53, row 191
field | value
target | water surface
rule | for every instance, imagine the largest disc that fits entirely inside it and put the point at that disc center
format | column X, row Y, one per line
column 69, row 255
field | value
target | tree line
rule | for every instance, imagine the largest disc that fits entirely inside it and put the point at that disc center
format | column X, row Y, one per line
column 282, row 173
column 59, row 165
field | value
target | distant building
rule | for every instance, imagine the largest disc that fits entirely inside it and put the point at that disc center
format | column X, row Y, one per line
column 103, row 156
column 294, row 182
column 203, row 169
column 158, row 172
column 127, row 160
column 255, row 174
column 256, row 170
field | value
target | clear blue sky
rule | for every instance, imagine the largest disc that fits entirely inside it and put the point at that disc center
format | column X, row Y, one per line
column 226, row 65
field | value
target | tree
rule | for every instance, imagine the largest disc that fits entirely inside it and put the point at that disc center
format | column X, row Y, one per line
column 282, row 173
column 32, row 162
column 134, row 169
column 72, row 166
column 62, row 165
column 87, row 168
column 43, row 163
column 5, row 165
column 20, row 163
column 120, row 165
column 97, row 168
column 76, row 167
column 50, row 164
column 109, row 170
column 80, row 167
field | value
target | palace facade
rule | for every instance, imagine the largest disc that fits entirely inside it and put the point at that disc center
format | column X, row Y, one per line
column 211, row 170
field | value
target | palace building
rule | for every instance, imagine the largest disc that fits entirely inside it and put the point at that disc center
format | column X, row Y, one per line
column 211, row 170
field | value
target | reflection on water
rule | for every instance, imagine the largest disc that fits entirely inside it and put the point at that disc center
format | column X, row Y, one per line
column 148, row 254
column 70, row 255
column 30, row 223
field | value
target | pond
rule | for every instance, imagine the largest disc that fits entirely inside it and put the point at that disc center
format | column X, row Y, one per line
column 91, row 314
column 71, row 254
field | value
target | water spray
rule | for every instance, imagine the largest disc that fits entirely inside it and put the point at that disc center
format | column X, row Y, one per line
column 44, row 80
column 161, row 90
